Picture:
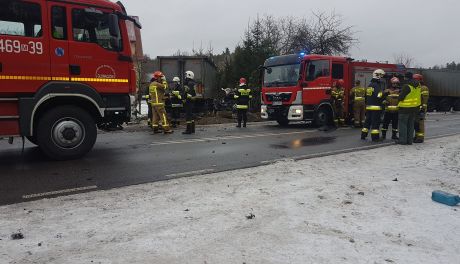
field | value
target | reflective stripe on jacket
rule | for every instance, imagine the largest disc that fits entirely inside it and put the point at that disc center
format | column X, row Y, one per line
column 413, row 99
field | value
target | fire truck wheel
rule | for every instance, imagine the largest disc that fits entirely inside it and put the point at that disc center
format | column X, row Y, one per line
column 445, row 105
column 323, row 117
column 283, row 122
column 66, row 132
column 457, row 105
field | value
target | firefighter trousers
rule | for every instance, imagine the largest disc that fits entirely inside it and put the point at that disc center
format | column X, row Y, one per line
column 242, row 116
column 406, row 127
column 339, row 114
column 390, row 117
column 419, row 127
column 372, row 124
column 359, row 110
column 159, row 114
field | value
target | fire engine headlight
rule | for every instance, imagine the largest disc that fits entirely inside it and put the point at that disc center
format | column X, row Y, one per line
column 263, row 109
column 298, row 111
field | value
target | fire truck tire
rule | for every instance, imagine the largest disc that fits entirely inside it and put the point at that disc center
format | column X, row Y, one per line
column 445, row 105
column 283, row 121
column 323, row 117
column 457, row 105
column 33, row 140
column 66, row 132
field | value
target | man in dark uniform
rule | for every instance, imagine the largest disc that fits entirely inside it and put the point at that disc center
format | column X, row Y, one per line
column 189, row 95
column 176, row 102
column 242, row 97
column 338, row 96
column 374, row 99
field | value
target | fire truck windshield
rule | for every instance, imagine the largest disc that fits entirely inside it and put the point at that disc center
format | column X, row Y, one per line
column 282, row 75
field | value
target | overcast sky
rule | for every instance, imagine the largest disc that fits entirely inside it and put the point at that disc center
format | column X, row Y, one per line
column 427, row 30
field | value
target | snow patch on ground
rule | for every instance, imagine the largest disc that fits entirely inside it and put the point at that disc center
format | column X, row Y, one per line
column 347, row 208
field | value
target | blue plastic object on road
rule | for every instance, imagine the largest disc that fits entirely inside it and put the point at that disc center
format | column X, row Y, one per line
column 445, row 198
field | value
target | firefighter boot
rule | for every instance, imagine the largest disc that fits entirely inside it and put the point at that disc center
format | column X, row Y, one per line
column 193, row 127
column 395, row 135
column 375, row 136
column 174, row 124
column 364, row 133
column 244, row 124
column 418, row 140
column 169, row 131
column 188, row 130
column 156, row 130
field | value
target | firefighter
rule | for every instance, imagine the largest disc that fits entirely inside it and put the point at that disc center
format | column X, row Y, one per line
column 420, row 120
column 337, row 96
column 176, row 102
column 242, row 97
column 358, row 96
column 157, row 98
column 391, row 101
column 189, row 94
column 374, row 99
column 410, row 100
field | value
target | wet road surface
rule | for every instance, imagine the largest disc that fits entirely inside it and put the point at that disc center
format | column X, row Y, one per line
column 127, row 158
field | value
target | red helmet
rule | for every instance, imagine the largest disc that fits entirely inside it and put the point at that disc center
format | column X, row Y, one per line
column 242, row 81
column 341, row 82
column 395, row 80
column 418, row 77
column 157, row 75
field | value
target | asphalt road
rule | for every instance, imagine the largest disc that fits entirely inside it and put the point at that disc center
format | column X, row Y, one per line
column 128, row 158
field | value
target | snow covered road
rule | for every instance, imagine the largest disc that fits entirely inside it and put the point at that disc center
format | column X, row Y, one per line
column 371, row 206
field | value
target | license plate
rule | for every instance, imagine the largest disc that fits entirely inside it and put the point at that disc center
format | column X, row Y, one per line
column 277, row 103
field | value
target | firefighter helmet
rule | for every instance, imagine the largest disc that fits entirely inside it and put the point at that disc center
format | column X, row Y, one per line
column 395, row 80
column 158, row 75
column 378, row 74
column 418, row 77
column 189, row 75
column 341, row 82
column 242, row 81
column 176, row 79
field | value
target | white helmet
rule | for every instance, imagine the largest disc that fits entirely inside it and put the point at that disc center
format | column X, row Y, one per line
column 176, row 79
column 378, row 74
column 189, row 75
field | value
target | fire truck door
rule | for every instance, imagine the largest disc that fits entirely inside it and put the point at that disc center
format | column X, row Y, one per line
column 317, row 80
column 24, row 47
column 59, row 44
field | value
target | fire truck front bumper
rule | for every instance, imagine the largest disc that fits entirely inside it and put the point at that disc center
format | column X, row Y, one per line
column 289, row 112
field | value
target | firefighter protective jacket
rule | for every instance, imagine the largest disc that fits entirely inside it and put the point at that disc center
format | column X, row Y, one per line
column 176, row 96
column 374, row 96
column 189, row 92
column 243, row 96
column 358, row 94
column 157, row 93
column 391, row 100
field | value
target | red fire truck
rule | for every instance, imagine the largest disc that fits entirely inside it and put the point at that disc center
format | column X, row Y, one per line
column 297, row 87
column 65, row 69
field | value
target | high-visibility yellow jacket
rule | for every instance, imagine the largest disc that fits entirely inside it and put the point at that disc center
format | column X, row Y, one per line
column 413, row 99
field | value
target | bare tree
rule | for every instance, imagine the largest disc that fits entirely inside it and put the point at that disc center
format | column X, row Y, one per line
column 404, row 59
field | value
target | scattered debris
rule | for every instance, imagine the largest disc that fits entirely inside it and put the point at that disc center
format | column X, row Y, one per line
column 347, row 202
column 17, row 236
column 389, row 260
column 224, row 143
column 361, row 193
column 187, row 210
column 40, row 244
column 213, row 151
column 321, row 197
column 395, row 180
column 250, row 216
column 352, row 240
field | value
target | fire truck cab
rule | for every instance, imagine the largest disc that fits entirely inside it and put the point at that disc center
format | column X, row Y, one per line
column 66, row 68
column 297, row 87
